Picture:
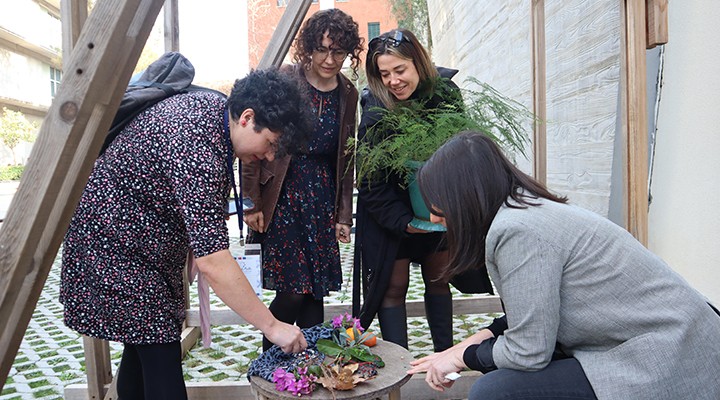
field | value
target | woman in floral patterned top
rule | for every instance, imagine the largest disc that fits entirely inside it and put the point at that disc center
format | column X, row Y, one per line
column 157, row 193
column 304, row 201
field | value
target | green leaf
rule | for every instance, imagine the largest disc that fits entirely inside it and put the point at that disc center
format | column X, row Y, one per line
column 329, row 348
column 361, row 354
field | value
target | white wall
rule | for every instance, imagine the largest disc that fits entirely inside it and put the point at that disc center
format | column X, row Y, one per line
column 684, row 218
column 492, row 42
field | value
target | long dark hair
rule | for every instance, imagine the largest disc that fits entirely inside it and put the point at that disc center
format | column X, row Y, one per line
column 466, row 181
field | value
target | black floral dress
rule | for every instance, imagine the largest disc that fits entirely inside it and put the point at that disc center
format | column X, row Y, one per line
column 300, row 251
column 158, row 191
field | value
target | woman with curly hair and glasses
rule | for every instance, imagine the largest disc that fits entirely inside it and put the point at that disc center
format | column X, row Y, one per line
column 303, row 202
column 157, row 193
column 399, row 72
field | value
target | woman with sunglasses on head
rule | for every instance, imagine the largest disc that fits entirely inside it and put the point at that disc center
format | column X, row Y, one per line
column 399, row 71
column 303, row 202
column 591, row 313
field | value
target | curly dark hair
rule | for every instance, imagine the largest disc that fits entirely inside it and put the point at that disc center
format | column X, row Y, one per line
column 342, row 30
column 279, row 104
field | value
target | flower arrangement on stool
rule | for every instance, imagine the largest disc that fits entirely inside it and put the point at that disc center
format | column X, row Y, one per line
column 338, row 357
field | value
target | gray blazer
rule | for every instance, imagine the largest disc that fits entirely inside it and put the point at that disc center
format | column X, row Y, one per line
column 570, row 276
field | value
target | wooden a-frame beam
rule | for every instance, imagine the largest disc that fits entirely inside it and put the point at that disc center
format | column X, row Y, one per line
column 634, row 117
column 284, row 33
column 73, row 14
column 95, row 77
column 539, row 77
column 172, row 26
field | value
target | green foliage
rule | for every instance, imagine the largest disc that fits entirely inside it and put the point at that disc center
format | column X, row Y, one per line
column 413, row 16
column 418, row 131
column 344, row 350
column 15, row 128
column 11, row 172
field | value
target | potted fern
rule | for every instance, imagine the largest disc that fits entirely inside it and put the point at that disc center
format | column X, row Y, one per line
column 417, row 131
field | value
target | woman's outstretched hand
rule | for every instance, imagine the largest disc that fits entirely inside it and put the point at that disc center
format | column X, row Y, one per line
column 438, row 365
column 288, row 337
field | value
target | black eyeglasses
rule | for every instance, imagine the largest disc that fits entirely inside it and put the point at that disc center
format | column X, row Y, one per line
column 336, row 54
column 393, row 40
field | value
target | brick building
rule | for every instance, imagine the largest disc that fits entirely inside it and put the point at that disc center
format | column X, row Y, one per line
column 373, row 17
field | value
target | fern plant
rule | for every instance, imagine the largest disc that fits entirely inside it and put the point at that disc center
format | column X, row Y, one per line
column 416, row 131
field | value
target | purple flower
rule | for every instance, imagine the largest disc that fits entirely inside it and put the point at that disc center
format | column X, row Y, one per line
column 283, row 380
column 296, row 383
column 304, row 385
column 337, row 321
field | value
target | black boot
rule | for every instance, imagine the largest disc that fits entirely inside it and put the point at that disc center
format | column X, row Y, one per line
column 393, row 325
column 439, row 312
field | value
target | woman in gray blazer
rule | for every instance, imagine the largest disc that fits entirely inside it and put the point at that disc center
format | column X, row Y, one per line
column 589, row 312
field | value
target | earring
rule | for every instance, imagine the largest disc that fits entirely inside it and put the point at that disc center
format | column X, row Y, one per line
column 243, row 122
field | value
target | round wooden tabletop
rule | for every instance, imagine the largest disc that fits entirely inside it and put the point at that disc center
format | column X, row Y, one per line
column 389, row 378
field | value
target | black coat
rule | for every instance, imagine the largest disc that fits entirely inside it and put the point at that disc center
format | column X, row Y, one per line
column 383, row 213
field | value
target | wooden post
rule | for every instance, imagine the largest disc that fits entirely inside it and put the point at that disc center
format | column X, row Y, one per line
column 97, row 366
column 172, row 26
column 285, row 33
column 539, row 91
column 73, row 14
column 657, row 22
column 95, row 78
column 634, row 110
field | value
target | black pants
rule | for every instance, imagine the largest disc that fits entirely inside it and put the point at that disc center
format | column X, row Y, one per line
column 152, row 372
column 561, row 379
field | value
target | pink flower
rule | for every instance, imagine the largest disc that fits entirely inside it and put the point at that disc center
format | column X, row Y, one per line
column 283, row 380
column 304, row 385
column 298, row 384
column 337, row 321
column 346, row 321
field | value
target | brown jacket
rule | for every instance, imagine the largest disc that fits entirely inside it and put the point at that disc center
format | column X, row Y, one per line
column 263, row 181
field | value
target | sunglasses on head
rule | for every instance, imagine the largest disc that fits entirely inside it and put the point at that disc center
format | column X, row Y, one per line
column 393, row 40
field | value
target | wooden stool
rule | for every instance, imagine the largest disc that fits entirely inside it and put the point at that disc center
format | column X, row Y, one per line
column 388, row 380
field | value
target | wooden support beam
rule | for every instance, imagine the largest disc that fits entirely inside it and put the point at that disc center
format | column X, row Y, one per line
column 172, row 26
column 284, row 33
column 634, row 118
column 657, row 22
column 97, row 366
column 415, row 308
column 539, row 91
column 73, row 14
column 97, row 73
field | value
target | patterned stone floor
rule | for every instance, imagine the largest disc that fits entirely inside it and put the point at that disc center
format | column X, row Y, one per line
column 51, row 355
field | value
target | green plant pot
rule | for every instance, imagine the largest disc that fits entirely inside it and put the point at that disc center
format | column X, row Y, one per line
column 422, row 214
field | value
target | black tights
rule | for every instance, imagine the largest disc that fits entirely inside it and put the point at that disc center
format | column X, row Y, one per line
column 432, row 267
column 152, row 371
column 293, row 308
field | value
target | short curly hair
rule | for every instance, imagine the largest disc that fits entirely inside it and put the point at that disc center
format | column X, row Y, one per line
column 279, row 103
column 342, row 30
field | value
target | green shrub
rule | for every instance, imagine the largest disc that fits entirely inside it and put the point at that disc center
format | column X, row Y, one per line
column 11, row 172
